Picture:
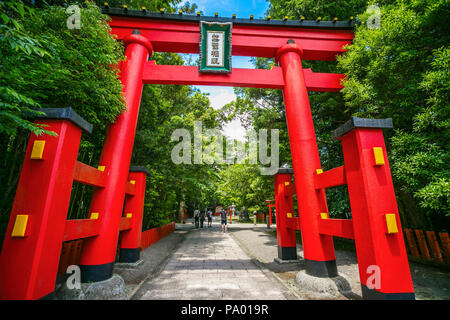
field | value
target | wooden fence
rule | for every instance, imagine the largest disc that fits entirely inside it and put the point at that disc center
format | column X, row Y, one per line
column 152, row 236
column 425, row 245
column 71, row 250
column 70, row 254
column 260, row 217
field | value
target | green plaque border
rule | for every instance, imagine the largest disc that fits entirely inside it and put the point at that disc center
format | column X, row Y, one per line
column 226, row 27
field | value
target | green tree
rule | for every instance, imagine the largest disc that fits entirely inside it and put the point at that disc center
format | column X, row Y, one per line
column 400, row 70
column 45, row 64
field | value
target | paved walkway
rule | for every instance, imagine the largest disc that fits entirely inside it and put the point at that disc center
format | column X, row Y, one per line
column 192, row 264
column 209, row 264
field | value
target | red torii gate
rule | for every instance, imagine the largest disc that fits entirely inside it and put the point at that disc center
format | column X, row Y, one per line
column 270, row 205
column 142, row 33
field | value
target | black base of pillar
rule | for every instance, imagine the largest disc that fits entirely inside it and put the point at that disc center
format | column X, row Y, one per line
column 371, row 294
column 96, row 273
column 129, row 255
column 49, row 296
column 321, row 269
column 287, row 253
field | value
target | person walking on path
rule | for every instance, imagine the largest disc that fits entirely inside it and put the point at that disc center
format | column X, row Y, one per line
column 202, row 218
column 209, row 216
column 196, row 217
column 223, row 218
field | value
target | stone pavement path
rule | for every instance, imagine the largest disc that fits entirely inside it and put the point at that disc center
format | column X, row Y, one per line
column 209, row 264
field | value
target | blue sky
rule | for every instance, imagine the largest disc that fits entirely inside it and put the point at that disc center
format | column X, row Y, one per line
column 220, row 96
column 226, row 8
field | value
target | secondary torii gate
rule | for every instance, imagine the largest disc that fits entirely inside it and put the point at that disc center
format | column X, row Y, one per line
column 142, row 33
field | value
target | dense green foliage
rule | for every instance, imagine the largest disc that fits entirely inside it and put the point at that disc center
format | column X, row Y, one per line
column 399, row 70
column 50, row 65
column 45, row 64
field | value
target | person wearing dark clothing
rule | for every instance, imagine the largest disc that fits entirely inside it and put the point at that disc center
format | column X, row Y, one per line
column 223, row 218
column 202, row 218
column 196, row 217
column 209, row 216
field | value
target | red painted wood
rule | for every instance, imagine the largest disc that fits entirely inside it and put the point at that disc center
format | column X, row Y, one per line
column 270, row 206
column 332, row 178
column 445, row 242
column 125, row 223
column 290, row 190
column 70, row 255
column 131, row 239
column 422, row 244
column 293, row 223
column 88, row 175
column 316, row 81
column 130, row 189
column 152, row 236
column 29, row 265
column 372, row 196
column 262, row 31
column 336, row 227
column 116, row 157
column 81, row 228
column 305, row 155
column 412, row 243
column 65, row 257
column 254, row 78
column 189, row 75
column 257, row 41
column 434, row 245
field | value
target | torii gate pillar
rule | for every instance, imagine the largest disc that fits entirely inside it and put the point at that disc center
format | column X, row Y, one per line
column 99, row 252
column 318, row 249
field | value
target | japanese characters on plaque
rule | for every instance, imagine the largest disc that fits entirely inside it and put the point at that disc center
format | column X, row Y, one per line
column 215, row 42
column 215, row 47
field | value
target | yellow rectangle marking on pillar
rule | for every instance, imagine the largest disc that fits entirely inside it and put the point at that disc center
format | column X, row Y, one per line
column 38, row 149
column 286, row 183
column 20, row 225
column 391, row 223
column 324, row 215
column 129, row 215
column 289, row 215
column 101, row 168
column 94, row 215
column 132, row 181
column 319, row 171
column 378, row 155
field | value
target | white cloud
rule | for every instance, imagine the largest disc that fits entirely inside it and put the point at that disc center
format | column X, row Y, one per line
column 218, row 97
column 234, row 130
